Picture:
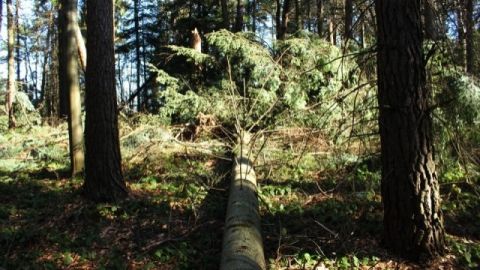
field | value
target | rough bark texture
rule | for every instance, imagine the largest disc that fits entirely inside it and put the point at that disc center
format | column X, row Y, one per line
column 413, row 225
column 431, row 30
column 10, row 93
column 68, row 71
column 242, row 240
column 103, row 174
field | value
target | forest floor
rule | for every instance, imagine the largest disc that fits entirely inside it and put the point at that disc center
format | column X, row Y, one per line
column 320, row 208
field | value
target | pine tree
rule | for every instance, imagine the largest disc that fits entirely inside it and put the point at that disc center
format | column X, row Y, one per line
column 103, row 173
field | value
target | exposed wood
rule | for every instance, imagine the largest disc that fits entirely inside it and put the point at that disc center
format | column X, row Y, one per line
column 82, row 50
column 242, row 240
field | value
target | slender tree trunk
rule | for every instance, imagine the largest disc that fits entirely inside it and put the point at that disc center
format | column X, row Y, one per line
column 332, row 35
column 137, row 49
column 332, row 28
column 52, row 85
column 225, row 14
column 239, row 17
column 362, row 35
column 320, row 17
column 461, row 29
column 1, row 16
column 278, row 18
column 46, row 55
column 103, row 172
column 470, row 28
column 413, row 223
column 254, row 16
column 68, row 71
column 10, row 93
column 285, row 19
column 348, row 33
column 298, row 13
column 18, row 59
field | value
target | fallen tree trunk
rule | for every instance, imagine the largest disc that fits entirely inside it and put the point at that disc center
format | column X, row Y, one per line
column 242, row 240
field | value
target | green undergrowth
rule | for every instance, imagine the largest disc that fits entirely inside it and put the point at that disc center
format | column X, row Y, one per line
column 320, row 205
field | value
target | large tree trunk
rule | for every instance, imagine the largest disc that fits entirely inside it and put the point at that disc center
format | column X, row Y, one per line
column 103, row 173
column 68, row 78
column 413, row 223
column 242, row 239
column 10, row 93
column 431, row 31
column 470, row 24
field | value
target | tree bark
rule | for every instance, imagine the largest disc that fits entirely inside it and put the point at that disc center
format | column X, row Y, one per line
column 68, row 78
column 225, row 14
column 470, row 24
column 461, row 30
column 242, row 240
column 285, row 19
column 239, row 17
column 103, row 173
column 137, row 48
column 431, row 31
column 278, row 17
column 10, row 93
column 320, row 17
column 1, row 16
column 298, row 16
column 254, row 16
column 413, row 223
column 348, row 34
column 18, row 60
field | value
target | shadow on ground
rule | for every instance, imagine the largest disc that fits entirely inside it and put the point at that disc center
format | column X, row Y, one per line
column 45, row 223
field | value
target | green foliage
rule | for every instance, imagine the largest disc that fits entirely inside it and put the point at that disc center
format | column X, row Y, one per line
column 468, row 254
column 242, row 82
